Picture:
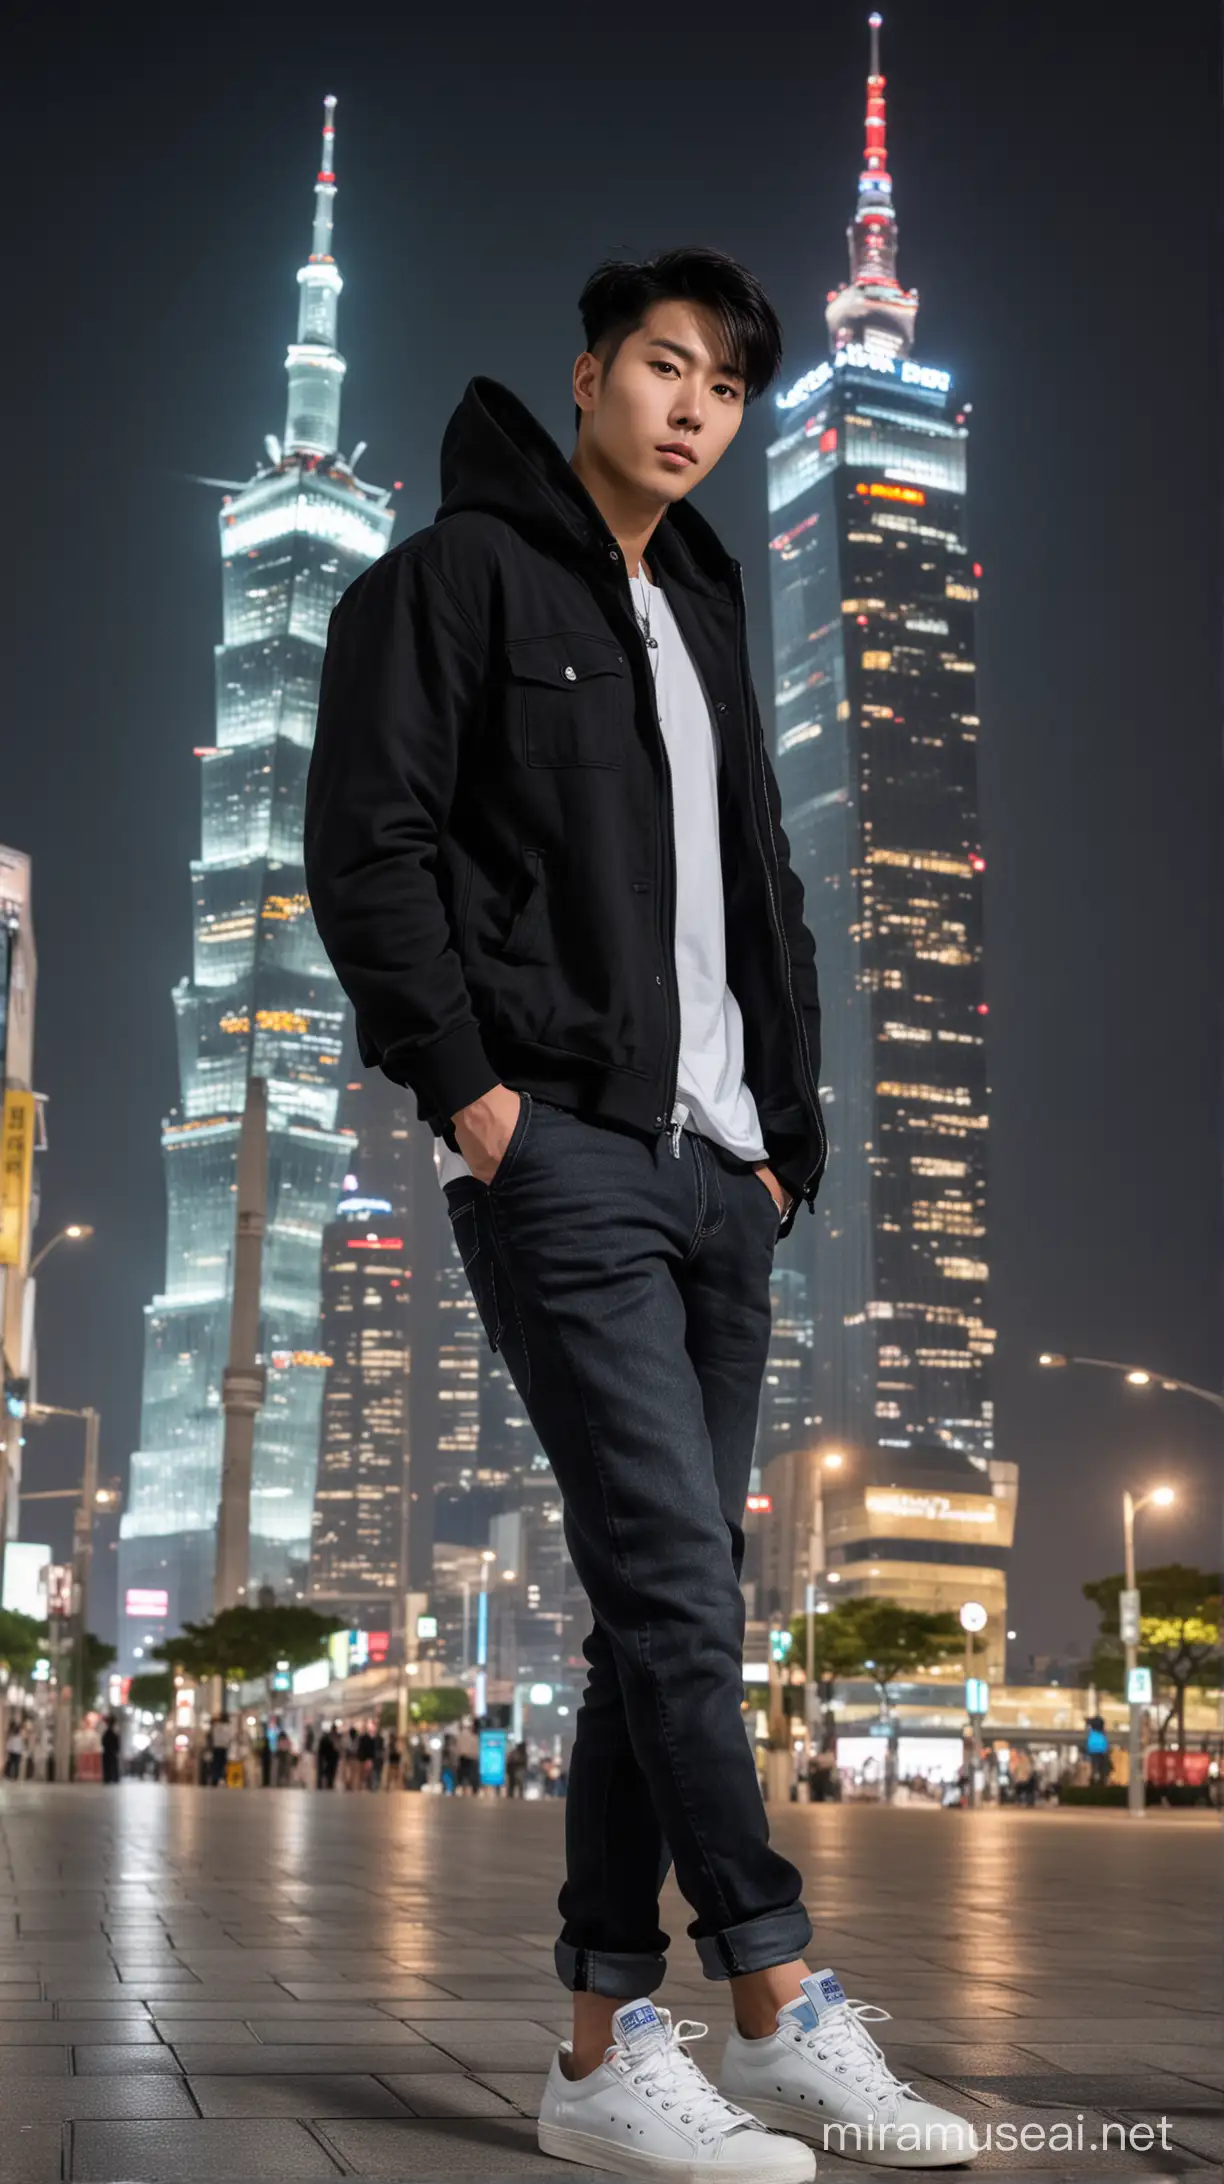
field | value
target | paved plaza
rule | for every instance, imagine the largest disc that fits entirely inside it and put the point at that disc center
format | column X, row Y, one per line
column 226, row 1985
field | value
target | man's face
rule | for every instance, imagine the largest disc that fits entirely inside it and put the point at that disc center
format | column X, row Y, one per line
column 670, row 386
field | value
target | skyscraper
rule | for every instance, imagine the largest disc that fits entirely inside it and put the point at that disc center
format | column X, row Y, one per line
column 873, row 592
column 261, row 1000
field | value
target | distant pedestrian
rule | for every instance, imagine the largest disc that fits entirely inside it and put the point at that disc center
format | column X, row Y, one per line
column 365, row 1756
column 379, row 1760
column 467, row 1754
column 449, row 1763
column 394, row 1776
column 350, row 1778
column 13, row 1751
column 267, row 1752
column 328, row 1758
column 222, row 1740
column 516, row 1770
column 111, row 1745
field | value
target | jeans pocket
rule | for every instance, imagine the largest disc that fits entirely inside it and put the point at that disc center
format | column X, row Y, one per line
column 514, row 1143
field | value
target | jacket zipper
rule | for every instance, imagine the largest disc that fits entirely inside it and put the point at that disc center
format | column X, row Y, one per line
column 805, row 1058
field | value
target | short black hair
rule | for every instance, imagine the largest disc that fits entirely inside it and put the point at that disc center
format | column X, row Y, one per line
column 619, row 293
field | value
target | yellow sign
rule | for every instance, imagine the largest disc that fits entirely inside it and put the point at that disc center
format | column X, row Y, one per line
column 16, row 1175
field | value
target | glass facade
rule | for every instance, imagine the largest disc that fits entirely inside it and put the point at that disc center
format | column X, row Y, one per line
column 261, row 999
column 872, row 593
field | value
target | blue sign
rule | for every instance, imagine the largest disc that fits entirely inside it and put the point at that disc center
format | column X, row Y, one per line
column 977, row 1695
column 492, row 1758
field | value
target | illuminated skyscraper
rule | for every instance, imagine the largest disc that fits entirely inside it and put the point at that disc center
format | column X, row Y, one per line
column 262, row 999
column 873, row 593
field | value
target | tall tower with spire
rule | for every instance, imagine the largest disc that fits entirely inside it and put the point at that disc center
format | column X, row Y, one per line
column 261, row 1000
column 873, row 308
column 882, row 1336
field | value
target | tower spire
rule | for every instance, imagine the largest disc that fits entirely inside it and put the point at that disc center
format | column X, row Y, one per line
column 314, row 364
column 873, row 308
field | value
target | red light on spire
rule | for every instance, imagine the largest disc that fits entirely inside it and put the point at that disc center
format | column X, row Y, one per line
column 978, row 863
column 977, row 568
column 983, row 1008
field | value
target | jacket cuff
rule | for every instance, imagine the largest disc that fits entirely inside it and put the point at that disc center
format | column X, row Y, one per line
column 447, row 1074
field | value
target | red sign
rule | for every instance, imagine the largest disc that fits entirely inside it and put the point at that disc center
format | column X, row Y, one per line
column 760, row 1504
column 379, row 1643
column 147, row 1604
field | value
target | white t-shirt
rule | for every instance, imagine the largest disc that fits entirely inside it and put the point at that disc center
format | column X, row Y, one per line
column 711, row 1095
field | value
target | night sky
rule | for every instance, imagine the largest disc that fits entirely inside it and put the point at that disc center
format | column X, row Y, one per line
column 1056, row 181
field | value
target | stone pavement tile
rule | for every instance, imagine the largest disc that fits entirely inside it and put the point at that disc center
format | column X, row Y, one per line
column 474, row 1987
column 1054, row 2148
column 425, row 2151
column 31, row 2153
column 24, row 2011
column 193, row 2012
column 1198, row 2134
column 494, row 2047
column 331, row 2032
column 445, row 2093
column 226, row 2029
column 181, row 2153
column 426, row 2014
column 1148, row 2092
column 1204, row 2064
column 523, row 2088
column 19, row 2063
column 202, row 2059
column 123, row 2031
column 101, row 2013
column 92, row 2058
column 97, row 2099
column 304, row 2097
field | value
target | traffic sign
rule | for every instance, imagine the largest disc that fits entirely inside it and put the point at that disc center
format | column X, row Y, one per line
column 1139, row 1687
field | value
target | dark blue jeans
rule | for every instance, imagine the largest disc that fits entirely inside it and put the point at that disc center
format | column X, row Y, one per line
column 628, row 1292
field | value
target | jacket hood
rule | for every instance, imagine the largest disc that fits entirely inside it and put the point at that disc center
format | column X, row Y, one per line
column 497, row 458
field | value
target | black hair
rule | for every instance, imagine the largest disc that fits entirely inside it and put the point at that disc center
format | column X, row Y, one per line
column 618, row 295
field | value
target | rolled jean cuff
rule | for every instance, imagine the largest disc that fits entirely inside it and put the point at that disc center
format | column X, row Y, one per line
column 603, row 1971
column 777, row 1937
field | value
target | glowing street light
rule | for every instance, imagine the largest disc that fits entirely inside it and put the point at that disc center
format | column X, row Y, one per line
column 1128, row 1623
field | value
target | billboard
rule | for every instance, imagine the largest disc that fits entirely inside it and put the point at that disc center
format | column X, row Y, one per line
column 25, row 1578
column 147, row 1604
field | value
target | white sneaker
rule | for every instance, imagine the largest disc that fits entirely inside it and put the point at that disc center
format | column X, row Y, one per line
column 649, row 2111
column 822, row 2074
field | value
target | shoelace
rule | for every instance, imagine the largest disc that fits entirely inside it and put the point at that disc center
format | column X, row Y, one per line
column 842, row 2037
column 666, row 2070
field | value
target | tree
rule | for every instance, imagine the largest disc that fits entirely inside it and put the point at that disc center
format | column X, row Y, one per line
column 242, row 1644
column 92, row 1660
column 23, row 1640
column 152, row 1693
column 1179, row 1633
column 430, row 1708
column 879, row 1639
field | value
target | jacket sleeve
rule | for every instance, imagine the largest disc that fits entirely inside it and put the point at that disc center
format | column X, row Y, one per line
column 403, row 679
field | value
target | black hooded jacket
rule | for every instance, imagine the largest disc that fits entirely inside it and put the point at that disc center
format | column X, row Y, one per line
column 489, row 833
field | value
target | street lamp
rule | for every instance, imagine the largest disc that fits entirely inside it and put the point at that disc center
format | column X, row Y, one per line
column 76, row 1232
column 973, row 1617
column 831, row 1460
column 86, row 1497
column 1128, row 1622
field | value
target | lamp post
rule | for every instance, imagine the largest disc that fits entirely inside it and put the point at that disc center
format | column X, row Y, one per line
column 76, row 1232
column 487, row 1555
column 972, row 1618
column 86, row 1497
column 1139, row 1376
column 832, row 1460
column 1128, row 1619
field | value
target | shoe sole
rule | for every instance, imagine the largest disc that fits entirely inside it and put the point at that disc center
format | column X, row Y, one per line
column 597, row 2153
column 779, row 2116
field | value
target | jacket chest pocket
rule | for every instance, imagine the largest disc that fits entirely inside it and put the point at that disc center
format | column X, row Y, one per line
column 569, row 699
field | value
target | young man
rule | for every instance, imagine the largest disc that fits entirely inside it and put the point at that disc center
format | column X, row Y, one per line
column 545, row 855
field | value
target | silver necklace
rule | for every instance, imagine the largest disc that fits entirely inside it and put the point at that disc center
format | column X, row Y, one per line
column 643, row 620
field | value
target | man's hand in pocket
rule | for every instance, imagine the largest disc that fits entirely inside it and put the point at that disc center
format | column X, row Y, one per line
column 484, row 1129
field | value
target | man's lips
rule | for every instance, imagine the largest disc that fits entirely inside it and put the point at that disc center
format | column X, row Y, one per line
column 678, row 450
